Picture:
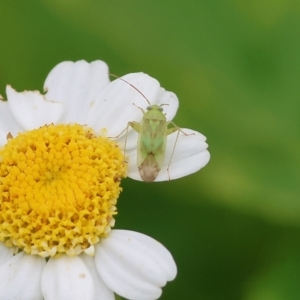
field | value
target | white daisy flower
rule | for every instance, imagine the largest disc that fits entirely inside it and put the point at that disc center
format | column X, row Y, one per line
column 60, row 179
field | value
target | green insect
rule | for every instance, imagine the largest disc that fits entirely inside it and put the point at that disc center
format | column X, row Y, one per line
column 152, row 131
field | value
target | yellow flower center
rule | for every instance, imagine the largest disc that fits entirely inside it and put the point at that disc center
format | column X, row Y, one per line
column 58, row 189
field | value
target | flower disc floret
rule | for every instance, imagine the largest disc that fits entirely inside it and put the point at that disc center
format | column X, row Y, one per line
column 58, row 189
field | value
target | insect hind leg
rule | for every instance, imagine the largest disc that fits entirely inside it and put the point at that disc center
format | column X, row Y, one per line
column 170, row 131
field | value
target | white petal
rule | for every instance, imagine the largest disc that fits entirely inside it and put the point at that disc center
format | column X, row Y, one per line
column 31, row 109
column 20, row 277
column 3, row 137
column 134, row 265
column 76, row 84
column 118, row 104
column 67, row 278
column 7, row 123
column 190, row 155
column 5, row 253
column 101, row 290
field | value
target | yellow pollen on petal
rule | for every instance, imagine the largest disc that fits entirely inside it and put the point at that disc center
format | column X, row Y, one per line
column 59, row 186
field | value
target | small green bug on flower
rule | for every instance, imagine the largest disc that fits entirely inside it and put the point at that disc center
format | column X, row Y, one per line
column 152, row 131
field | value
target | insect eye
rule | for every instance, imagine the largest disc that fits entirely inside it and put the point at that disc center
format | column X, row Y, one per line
column 149, row 107
column 160, row 108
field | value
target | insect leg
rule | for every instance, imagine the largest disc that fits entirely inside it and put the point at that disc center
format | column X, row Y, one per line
column 179, row 129
column 143, row 112
column 116, row 137
column 135, row 126
column 170, row 131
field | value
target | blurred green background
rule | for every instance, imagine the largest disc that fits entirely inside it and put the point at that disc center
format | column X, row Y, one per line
column 234, row 227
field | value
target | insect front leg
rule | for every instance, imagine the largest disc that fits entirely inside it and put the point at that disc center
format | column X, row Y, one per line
column 143, row 112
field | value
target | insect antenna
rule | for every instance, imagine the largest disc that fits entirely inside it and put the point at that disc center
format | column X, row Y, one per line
column 116, row 76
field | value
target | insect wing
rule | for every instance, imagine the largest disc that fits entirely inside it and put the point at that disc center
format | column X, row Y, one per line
column 149, row 168
column 152, row 147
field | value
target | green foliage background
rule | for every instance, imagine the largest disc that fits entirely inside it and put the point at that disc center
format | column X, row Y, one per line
column 234, row 227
